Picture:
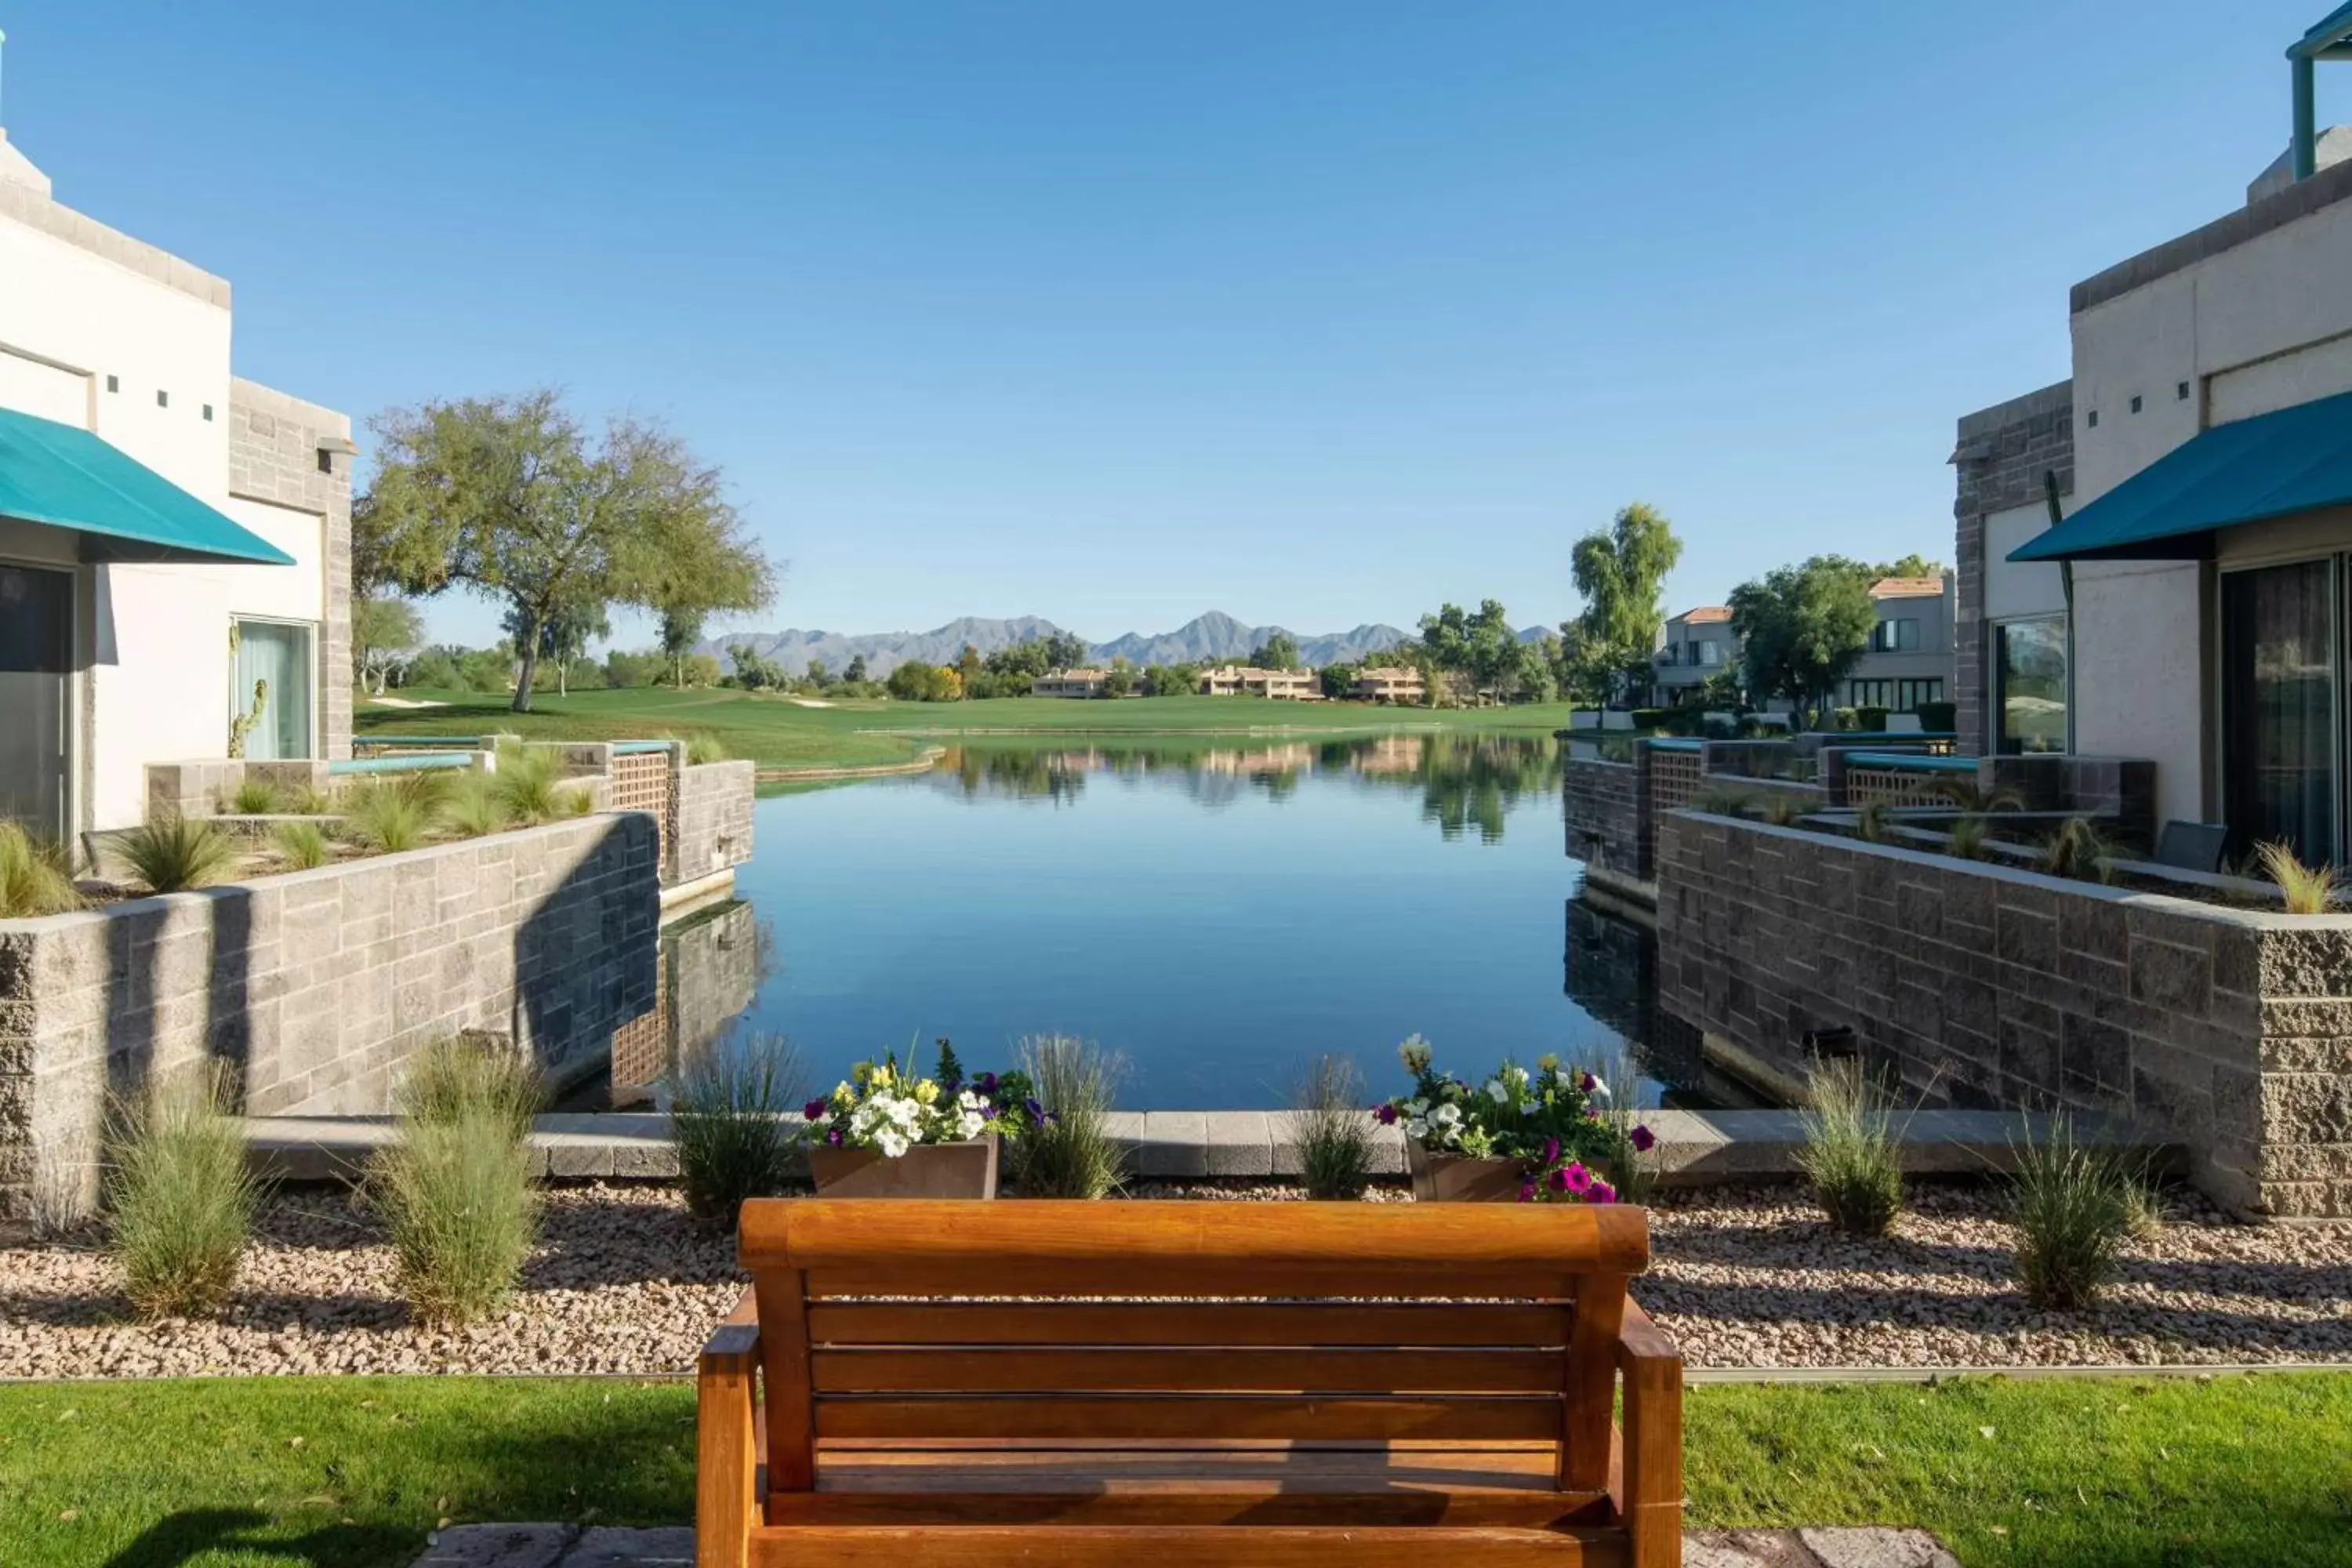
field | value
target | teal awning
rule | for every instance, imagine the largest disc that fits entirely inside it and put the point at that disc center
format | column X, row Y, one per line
column 61, row 476
column 2274, row 465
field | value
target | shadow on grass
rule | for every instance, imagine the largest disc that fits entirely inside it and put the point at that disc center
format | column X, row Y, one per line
column 180, row 1538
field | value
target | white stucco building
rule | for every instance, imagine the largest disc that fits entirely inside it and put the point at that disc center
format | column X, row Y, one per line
column 170, row 536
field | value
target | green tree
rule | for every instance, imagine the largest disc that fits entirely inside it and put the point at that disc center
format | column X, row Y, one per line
column 648, row 668
column 1119, row 681
column 680, row 630
column 508, row 497
column 383, row 629
column 754, row 672
column 564, row 633
column 1279, row 651
column 1171, row 679
column 1620, row 571
column 1063, row 650
column 1803, row 628
column 915, row 681
column 1337, row 679
column 968, row 666
column 1481, row 650
column 855, row 671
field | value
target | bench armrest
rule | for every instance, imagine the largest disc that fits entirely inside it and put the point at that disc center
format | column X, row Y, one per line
column 727, row 1443
column 1650, row 1495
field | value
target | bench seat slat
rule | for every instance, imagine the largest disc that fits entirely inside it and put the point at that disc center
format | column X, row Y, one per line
column 1173, row 1502
column 1180, row 1546
column 1204, row 1369
column 1475, row 1418
column 1192, row 1323
column 1211, row 1278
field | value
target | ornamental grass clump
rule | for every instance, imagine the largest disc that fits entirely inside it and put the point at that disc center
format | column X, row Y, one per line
column 1335, row 1133
column 1965, row 839
column 454, row 1190
column 452, row 1078
column 702, row 747
column 727, row 1103
column 381, row 815
column 180, row 1194
column 2078, row 850
column 1853, row 1154
column 1551, row 1121
column 474, row 808
column 2304, row 889
column 300, row 844
column 171, row 854
column 254, row 797
column 1066, row 1150
column 532, row 785
column 2073, row 1207
column 34, row 878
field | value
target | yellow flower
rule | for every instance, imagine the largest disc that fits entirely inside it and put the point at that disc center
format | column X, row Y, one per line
column 861, row 1072
column 927, row 1092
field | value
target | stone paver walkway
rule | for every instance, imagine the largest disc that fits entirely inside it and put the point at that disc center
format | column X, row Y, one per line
column 570, row 1546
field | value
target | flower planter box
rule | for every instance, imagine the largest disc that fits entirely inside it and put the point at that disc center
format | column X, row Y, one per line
column 1459, row 1179
column 925, row 1171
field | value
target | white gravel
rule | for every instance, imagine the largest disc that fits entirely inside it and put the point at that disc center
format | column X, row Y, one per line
column 1741, row 1277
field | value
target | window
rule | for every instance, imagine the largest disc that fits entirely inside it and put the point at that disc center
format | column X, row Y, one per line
column 1910, row 694
column 2136, row 402
column 1896, row 636
column 163, row 398
column 113, row 384
column 276, row 674
column 2029, row 685
column 326, row 461
column 1870, row 694
column 2280, row 687
column 1710, row 654
column 2094, row 420
column 2180, row 392
column 208, row 413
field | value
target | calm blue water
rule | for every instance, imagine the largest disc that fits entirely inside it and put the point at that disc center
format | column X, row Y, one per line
column 1217, row 916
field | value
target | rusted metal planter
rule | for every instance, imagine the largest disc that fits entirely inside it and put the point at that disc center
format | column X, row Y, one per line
column 1460, row 1179
column 925, row 1171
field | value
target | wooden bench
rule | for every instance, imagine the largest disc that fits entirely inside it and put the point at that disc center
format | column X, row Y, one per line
column 978, row 1384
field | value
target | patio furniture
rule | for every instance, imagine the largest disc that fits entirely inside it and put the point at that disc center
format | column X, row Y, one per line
column 1166, row 1384
column 2192, row 845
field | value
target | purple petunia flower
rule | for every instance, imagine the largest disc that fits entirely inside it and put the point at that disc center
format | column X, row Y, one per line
column 1385, row 1115
column 814, row 1111
column 1587, row 1083
column 1526, row 1192
column 1601, row 1192
column 1643, row 1140
column 1551, row 1152
column 833, row 1136
column 1575, row 1178
column 985, row 1083
column 1036, row 1111
column 1558, row 1179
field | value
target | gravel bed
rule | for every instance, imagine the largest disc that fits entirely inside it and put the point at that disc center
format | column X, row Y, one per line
column 623, row 1283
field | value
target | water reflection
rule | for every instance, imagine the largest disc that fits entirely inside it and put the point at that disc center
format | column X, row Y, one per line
column 1219, row 911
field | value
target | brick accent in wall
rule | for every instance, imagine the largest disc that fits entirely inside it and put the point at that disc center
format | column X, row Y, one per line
column 1603, row 803
column 286, row 452
column 317, row 987
column 2002, row 455
column 2226, row 1030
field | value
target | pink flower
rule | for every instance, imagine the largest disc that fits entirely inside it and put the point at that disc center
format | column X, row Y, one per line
column 1644, row 1140
column 1558, row 1179
column 1575, row 1178
column 1550, row 1152
column 1601, row 1192
column 1526, row 1192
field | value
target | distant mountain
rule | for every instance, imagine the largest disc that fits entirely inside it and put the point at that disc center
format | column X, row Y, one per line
column 1212, row 637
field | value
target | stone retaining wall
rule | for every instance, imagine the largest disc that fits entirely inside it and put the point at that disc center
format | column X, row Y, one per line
column 1604, row 806
column 714, row 818
column 316, row 986
column 2228, row 1031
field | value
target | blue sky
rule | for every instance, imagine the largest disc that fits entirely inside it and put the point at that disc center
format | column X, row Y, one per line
column 1316, row 311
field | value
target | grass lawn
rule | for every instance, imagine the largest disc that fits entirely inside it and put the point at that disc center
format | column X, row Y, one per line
column 2052, row 1473
column 777, row 733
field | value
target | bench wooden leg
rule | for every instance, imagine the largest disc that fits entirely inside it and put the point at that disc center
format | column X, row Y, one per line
column 727, row 1451
column 1651, row 1504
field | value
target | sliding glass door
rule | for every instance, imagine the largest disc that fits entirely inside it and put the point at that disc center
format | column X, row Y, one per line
column 35, row 684
column 2280, row 699
column 274, row 669
column 2030, row 684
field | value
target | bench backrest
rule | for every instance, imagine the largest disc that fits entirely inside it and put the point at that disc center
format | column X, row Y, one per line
column 1304, row 1322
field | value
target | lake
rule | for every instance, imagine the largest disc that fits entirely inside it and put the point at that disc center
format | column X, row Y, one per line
column 1217, row 912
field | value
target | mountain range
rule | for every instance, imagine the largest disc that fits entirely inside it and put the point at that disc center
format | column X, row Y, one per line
column 1215, row 638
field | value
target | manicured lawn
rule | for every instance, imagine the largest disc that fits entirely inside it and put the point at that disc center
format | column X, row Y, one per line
column 778, row 732
column 2074, row 1473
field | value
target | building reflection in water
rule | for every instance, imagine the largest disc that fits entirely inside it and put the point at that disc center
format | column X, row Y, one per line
column 1612, row 972
column 711, row 965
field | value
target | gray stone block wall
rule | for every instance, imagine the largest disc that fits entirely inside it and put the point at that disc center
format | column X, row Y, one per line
column 2228, row 1031
column 290, row 453
column 1604, row 806
column 714, row 818
column 2002, row 455
column 317, row 987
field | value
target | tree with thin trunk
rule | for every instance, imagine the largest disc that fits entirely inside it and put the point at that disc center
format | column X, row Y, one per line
column 510, row 498
column 1620, row 571
column 384, row 630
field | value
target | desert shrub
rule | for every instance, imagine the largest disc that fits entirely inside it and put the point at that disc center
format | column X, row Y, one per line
column 33, row 877
column 1937, row 718
column 702, row 746
column 1335, row 1131
column 1966, row 837
column 171, row 854
column 253, row 797
column 531, row 785
column 1870, row 720
column 1875, row 823
column 180, row 1194
column 1650, row 718
column 474, row 808
column 727, row 1105
column 1852, row 1155
column 454, row 1077
column 2304, row 889
column 299, row 844
column 2078, row 849
column 2073, row 1208
column 381, row 815
column 306, row 802
column 455, row 1189
column 1072, row 1154
column 1783, row 810
column 427, row 789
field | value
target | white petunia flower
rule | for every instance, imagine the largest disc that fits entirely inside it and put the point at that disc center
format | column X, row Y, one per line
column 1416, row 1127
column 1446, row 1116
column 1496, row 1092
column 891, row 1144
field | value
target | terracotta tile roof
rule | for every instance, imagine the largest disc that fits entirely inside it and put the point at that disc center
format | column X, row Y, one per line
column 1906, row 587
column 1704, row 614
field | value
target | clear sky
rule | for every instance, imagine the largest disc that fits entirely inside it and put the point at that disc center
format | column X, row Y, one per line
column 1316, row 311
